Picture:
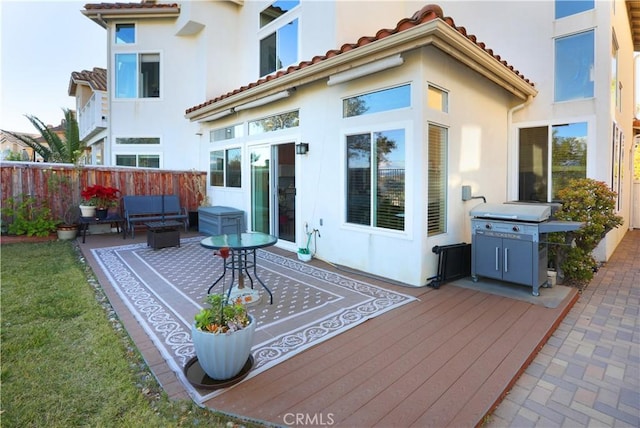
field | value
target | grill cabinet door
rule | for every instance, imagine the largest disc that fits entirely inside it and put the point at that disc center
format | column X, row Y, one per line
column 488, row 256
column 517, row 261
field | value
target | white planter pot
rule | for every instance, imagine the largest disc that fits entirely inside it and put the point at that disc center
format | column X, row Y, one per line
column 67, row 233
column 304, row 257
column 87, row 211
column 222, row 356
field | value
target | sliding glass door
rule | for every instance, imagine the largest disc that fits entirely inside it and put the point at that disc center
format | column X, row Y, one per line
column 273, row 190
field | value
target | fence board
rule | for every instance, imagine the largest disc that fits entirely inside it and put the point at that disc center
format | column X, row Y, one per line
column 33, row 178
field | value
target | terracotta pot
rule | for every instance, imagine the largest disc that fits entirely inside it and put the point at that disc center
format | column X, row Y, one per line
column 222, row 356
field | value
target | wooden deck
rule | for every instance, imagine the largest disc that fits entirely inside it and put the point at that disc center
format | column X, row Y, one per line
column 446, row 360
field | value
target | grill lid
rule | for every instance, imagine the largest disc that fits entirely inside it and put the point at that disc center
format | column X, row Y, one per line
column 511, row 211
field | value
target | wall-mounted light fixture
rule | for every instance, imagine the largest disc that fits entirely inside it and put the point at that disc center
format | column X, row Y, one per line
column 302, row 148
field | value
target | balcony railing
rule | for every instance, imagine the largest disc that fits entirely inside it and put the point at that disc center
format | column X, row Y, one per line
column 93, row 116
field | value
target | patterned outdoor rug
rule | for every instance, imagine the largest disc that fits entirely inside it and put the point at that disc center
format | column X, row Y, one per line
column 165, row 288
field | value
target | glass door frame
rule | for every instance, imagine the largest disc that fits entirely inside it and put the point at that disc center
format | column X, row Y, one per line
column 274, row 197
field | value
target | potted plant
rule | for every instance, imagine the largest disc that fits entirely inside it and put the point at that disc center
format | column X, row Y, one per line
column 223, row 335
column 62, row 194
column 100, row 197
column 304, row 253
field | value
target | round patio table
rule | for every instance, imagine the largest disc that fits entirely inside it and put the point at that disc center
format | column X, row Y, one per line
column 243, row 248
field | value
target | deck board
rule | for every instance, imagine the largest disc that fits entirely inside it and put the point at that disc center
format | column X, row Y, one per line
column 443, row 360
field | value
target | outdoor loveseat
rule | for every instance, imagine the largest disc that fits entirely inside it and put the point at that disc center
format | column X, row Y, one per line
column 141, row 209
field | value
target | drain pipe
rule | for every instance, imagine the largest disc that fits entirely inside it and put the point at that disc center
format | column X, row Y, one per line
column 511, row 148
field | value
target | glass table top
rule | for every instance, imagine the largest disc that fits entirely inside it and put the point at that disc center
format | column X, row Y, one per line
column 243, row 241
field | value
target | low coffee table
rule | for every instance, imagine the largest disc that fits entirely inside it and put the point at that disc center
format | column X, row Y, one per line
column 111, row 219
column 161, row 234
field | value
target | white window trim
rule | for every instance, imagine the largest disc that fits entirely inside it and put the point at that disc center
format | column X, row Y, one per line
column 592, row 147
column 371, row 127
column 112, row 86
column 273, row 27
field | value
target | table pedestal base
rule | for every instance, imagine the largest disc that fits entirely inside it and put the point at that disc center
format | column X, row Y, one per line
column 248, row 296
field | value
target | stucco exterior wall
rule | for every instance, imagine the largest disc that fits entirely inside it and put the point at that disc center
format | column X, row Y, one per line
column 477, row 123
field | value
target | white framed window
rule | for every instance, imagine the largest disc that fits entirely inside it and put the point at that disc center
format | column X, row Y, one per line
column 275, row 123
column 143, row 160
column 549, row 157
column 278, row 36
column 375, row 187
column 438, row 147
column 571, row 7
column 125, row 34
column 137, row 75
column 137, row 140
column 377, row 101
column 225, row 168
column 437, row 99
column 574, row 66
column 226, row 133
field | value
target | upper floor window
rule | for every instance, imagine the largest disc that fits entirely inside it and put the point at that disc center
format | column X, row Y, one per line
column 375, row 102
column 438, row 99
column 125, row 33
column 280, row 48
column 274, row 123
column 571, row 7
column 276, row 10
column 574, row 68
column 137, row 75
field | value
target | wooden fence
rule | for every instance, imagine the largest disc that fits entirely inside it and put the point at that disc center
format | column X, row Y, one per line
column 43, row 182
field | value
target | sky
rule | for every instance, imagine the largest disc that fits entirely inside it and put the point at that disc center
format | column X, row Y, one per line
column 41, row 44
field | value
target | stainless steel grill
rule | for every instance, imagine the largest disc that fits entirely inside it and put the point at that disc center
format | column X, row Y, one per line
column 508, row 242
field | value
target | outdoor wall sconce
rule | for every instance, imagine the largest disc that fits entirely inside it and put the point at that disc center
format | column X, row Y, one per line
column 302, row 148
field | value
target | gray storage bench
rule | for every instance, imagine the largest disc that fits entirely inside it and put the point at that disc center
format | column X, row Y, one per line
column 141, row 209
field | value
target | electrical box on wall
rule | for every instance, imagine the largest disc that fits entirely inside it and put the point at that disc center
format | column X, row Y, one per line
column 466, row 193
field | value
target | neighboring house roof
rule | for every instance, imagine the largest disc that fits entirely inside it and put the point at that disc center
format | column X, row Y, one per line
column 633, row 7
column 100, row 12
column 439, row 36
column 96, row 79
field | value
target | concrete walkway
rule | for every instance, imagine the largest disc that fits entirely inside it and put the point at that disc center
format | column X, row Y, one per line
column 588, row 372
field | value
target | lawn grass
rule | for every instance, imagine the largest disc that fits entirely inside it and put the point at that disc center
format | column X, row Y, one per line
column 66, row 360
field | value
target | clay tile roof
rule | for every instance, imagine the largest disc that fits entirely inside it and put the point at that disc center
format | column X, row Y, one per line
column 96, row 78
column 426, row 14
column 121, row 6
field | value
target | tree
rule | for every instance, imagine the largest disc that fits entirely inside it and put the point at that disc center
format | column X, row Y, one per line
column 54, row 148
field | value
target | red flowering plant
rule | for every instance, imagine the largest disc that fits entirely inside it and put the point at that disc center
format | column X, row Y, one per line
column 100, row 196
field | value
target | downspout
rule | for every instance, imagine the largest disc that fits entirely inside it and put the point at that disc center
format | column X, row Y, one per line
column 511, row 150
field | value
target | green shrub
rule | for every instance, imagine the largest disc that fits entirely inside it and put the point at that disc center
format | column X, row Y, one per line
column 592, row 202
column 26, row 216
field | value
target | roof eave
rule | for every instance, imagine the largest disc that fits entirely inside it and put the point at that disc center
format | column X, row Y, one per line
column 100, row 16
column 436, row 33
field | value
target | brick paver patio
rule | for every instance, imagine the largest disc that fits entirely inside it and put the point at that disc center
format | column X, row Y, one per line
column 588, row 372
